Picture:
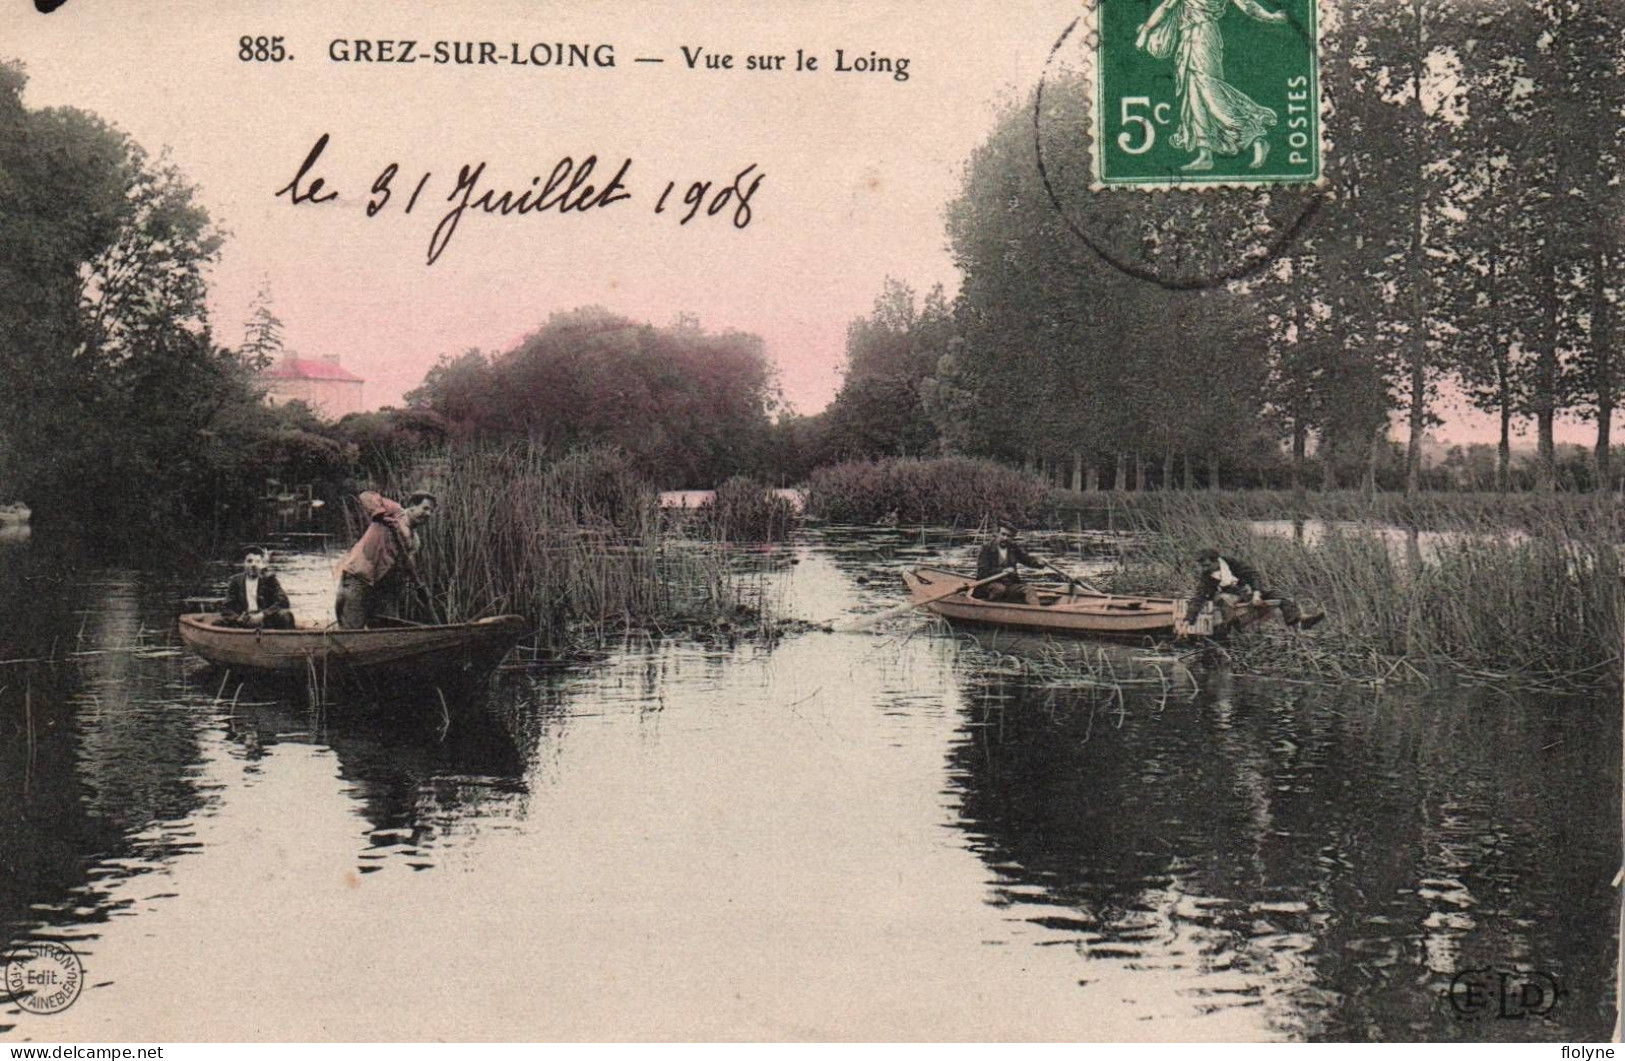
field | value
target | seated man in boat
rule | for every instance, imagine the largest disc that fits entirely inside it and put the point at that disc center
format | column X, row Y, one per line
column 376, row 572
column 1231, row 580
column 1005, row 554
column 254, row 597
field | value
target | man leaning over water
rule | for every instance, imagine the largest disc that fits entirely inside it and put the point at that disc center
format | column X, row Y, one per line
column 1232, row 580
column 374, row 576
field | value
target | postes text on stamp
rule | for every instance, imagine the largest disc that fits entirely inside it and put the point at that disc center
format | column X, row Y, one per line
column 44, row 977
column 1206, row 92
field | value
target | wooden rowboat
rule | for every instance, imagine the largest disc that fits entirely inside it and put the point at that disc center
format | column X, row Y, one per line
column 451, row 650
column 1077, row 613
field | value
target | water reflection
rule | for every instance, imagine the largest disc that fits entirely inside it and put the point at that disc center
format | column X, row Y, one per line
column 1333, row 858
column 1408, row 543
column 891, row 834
column 419, row 784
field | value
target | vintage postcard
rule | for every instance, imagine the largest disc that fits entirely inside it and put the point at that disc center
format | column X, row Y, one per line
column 822, row 520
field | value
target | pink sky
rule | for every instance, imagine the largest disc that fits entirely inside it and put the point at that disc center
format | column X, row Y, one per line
column 857, row 167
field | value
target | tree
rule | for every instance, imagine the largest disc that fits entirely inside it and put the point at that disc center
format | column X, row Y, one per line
column 1101, row 351
column 881, row 407
column 690, row 407
column 262, row 333
column 113, row 383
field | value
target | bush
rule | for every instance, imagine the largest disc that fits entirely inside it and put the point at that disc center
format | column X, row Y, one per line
column 945, row 490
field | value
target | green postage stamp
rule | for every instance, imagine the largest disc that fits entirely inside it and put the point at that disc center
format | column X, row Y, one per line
column 1206, row 92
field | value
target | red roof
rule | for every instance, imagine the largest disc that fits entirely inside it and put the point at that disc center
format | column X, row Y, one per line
column 306, row 368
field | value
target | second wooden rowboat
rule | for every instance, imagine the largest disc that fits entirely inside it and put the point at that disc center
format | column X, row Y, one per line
column 1076, row 613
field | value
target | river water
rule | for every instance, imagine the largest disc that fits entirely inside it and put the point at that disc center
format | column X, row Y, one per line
column 889, row 834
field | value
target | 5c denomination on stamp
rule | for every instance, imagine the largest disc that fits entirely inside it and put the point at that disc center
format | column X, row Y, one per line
column 44, row 977
column 1203, row 92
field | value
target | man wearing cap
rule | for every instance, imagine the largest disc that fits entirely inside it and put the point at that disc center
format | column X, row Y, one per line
column 1004, row 554
column 1235, row 581
column 376, row 571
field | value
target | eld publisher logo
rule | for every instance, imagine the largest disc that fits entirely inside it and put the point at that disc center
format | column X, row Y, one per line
column 1503, row 994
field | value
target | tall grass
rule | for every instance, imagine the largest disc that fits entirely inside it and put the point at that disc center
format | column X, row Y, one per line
column 1541, row 602
column 946, row 490
column 572, row 543
column 744, row 510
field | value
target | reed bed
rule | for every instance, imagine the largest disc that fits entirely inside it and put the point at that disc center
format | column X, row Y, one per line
column 953, row 491
column 573, row 543
column 744, row 510
column 1537, row 605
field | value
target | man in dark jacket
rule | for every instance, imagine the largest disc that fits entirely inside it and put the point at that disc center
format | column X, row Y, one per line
column 1004, row 554
column 254, row 597
column 1235, row 581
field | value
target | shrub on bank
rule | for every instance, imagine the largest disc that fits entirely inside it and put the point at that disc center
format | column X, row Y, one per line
column 944, row 490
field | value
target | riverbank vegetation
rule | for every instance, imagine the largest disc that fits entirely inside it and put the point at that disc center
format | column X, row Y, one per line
column 688, row 407
column 741, row 509
column 1536, row 604
column 578, row 544
column 1271, row 338
column 948, row 491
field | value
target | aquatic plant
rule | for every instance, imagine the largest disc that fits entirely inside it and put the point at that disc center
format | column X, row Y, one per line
column 1539, row 603
column 744, row 510
column 944, row 490
column 573, row 542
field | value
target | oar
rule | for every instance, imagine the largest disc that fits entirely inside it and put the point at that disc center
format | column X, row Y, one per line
column 1080, row 583
column 903, row 609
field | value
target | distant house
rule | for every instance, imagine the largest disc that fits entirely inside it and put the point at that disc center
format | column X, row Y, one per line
column 330, row 389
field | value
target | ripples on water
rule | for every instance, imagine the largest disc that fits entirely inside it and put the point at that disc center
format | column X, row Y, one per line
column 897, row 834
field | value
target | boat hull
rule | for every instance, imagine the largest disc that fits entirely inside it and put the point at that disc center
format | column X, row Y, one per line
column 1078, row 614
column 462, row 649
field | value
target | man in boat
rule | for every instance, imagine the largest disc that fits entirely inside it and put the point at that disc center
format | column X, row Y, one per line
column 254, row 597
column 1005, row 554
column 1222, row 579
column 375, row 574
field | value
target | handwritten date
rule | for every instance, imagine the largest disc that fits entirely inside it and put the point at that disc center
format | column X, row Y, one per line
column 571, row 187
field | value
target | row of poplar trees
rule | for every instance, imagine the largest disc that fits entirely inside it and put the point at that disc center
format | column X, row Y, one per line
column 1464, row 248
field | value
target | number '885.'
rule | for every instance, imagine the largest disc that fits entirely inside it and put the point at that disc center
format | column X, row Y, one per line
column 261, row 50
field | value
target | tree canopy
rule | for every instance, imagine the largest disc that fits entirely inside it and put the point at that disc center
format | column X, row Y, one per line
column 691, row 407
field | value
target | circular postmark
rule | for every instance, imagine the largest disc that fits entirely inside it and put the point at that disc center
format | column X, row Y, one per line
column 1182, row 231
column 44, row 976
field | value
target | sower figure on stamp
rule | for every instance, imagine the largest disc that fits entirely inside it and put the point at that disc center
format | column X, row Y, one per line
column 1231, row 580
column 254, row 597
column 1004, row 554
column 1214, row 115
column 375, row 574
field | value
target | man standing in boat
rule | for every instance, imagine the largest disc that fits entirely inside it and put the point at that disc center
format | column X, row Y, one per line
column 1004, row 554
column 254, row 597
column 375, row 574
column 1232, row 580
